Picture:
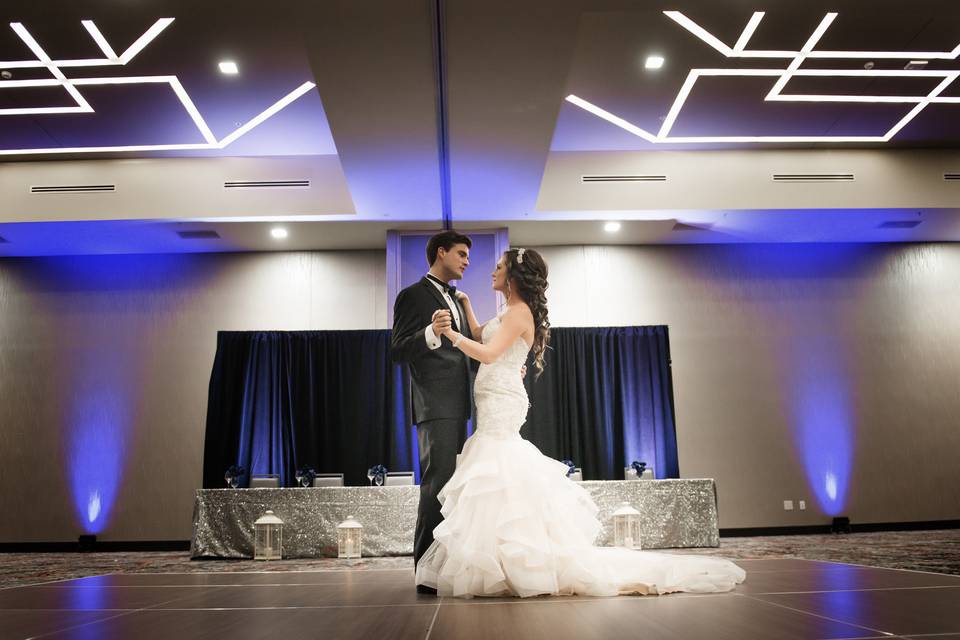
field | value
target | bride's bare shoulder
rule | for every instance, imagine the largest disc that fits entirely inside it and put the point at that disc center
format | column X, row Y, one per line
column 520, row 316
column 519, row 311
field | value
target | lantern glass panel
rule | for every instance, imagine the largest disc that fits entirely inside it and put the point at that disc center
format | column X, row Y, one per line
column 349, row 538
column 268, row 537
column 626, row 527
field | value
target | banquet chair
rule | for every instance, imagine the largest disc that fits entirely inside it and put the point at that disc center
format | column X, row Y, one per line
column 328, row 480
column 398, row 478
column 265, row 481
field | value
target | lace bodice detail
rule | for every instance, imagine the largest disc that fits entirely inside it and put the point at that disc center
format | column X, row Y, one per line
column 515, row 353
column 498, row 390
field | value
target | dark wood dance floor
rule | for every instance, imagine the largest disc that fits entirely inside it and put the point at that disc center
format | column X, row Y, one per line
column 782, row 598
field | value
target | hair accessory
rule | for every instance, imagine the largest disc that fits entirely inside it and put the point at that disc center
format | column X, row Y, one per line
column 520, row 255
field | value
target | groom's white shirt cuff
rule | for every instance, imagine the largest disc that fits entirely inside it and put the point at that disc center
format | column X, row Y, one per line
column 433, row 342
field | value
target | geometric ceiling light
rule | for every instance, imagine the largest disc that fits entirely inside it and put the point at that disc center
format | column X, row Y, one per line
column 782, row 76
column 55, row 68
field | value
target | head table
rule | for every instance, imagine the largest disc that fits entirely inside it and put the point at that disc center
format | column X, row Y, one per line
column 674, row 514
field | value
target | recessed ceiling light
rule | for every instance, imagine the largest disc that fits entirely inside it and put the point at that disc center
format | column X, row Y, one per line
column 611, row 227
column 653, row 62
column 229, row 67
column 278, row 233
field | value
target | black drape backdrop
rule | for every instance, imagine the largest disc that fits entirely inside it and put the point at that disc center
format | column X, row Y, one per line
column 605, row 398
column 333, row 400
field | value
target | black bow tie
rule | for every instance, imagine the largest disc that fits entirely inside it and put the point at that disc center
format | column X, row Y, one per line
column 446, row 287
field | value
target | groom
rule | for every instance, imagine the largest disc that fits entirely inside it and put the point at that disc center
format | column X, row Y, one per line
column 440, row 375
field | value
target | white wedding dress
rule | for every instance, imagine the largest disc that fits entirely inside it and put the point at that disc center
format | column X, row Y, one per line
column 514, row 524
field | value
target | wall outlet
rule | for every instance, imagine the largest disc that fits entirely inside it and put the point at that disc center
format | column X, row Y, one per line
column 803, row 505
column 788, row 505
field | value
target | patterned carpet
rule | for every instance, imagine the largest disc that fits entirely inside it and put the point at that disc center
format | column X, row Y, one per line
column 936, row 551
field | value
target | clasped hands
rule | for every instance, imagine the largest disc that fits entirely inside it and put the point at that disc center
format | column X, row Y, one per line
column 442, row 324
column 442, row 319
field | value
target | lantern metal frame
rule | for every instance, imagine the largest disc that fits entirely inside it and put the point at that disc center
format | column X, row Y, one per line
column 626, row 527
column 349, row 539
column 268, row 537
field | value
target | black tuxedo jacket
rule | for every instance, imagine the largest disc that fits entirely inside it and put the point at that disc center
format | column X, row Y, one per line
column 440, row 379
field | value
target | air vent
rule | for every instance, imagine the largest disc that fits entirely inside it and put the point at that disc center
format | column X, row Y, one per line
column 73, row 188
column 267, row 184
column 899, row 224
column 813, row 177
column 951, row 176
column 199, row 234
column 624, row 178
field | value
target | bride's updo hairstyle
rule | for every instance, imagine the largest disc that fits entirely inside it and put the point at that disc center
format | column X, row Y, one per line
column 527, row 277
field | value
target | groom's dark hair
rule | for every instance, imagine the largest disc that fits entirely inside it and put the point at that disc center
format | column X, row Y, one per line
column 445, row 239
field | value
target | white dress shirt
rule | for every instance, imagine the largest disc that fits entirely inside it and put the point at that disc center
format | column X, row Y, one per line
column 433, row 341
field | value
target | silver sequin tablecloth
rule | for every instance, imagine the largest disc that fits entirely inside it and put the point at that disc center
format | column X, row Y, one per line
column 674, row 513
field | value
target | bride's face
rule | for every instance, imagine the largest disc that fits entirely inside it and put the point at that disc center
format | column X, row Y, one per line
column 499, row 275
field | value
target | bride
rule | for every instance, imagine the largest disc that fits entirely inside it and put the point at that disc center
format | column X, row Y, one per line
column 514, row 524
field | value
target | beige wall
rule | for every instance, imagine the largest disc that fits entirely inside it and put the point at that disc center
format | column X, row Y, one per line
column 770, row 340
column 128, row 342
column 753, row 329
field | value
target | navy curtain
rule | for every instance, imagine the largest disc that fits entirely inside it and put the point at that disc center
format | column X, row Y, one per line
column 604, row 400
column 333, row 400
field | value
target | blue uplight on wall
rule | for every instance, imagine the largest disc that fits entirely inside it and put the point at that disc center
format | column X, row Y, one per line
column 100, row 373
column 812, row 349
column 824, row 425
column 97, row 449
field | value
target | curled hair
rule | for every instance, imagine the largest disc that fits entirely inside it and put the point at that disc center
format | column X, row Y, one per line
column 527, row 277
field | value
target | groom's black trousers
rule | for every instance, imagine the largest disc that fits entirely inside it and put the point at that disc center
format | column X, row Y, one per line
column 440, row 441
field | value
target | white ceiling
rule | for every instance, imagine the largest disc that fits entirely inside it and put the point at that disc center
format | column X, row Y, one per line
column 515, row 150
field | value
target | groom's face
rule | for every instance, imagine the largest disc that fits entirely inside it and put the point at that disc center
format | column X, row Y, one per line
column 455, row 261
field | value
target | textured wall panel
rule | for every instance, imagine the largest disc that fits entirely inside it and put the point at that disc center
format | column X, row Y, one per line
column 799, row 370
column 104, row 367
column 780, row 352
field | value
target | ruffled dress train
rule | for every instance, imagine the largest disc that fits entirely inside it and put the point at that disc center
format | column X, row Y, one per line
column 515, row 525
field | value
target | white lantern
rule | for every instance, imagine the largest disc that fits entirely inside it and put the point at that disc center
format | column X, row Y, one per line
column 626, row 527
column 268, row 537
column 349, row 534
